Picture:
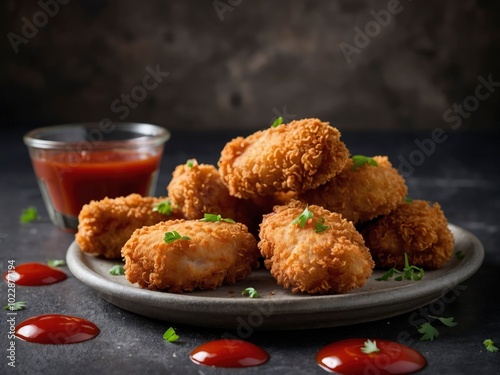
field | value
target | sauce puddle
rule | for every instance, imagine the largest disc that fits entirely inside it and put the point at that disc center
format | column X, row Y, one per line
column 56, row 329
column 346, row 357
column 34, row 274
column 229, row 353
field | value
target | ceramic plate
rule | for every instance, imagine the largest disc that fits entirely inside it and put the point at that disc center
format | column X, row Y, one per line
column 277, row 308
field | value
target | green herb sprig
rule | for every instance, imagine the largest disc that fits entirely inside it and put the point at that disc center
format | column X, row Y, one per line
column 361, row 160
column 29, row 214
column 56, row 262
column 174, row 236
column 408, row 273
column 429, row 332
column 370, row 347
column 170, row 335
column 251, row 292
column 490, row 346
column 213, row 218
column 164, row 207
column 117, row 270
column 277, row 122
column 16, row 306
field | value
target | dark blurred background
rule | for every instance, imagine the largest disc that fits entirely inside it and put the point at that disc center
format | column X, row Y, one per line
column 238, row 64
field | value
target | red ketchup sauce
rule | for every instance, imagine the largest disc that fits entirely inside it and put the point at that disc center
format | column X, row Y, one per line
column 56, row 329
column 74, row 179
column 229, row 353
column 34, row 274
column 346, row 357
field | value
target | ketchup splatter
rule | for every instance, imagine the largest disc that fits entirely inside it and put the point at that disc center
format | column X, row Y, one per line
column 346, row 357
column 229, row 353
column 34, row 274
column 56, row 329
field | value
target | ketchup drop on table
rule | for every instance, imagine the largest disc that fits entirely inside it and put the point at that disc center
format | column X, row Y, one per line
column 229, row 353
column 34, row 274
column 56, row 329
column 346, row 357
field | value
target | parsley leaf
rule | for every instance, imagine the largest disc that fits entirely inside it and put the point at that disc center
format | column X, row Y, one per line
column 429, row 332
column 56, row 262
column 303, row 218
column 190, row 163
column 251, row 292
column 360, row 160
column 29, row 214
column 164, row 207
column 277, row 122
column 170, row 335
column 320, row 226
column 117, row 270
column 18, row 305
column 446, row 321
column 460, row 254
column 408, row 200
column 174, row 236
column 370, row 347
column 215, row 218
column 408, row 273
column 490, row 346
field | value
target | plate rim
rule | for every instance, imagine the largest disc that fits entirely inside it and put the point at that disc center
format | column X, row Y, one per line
column 187, row 303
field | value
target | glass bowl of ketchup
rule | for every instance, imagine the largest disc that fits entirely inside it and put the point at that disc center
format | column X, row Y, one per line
column 77, row 163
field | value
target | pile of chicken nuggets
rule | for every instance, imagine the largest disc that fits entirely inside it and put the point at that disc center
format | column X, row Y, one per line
column 291, row 196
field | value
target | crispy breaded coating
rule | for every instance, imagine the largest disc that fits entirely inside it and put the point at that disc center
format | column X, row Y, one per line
column 104, row 226
column 415, row 228
column 363, row 193
column 197, row 189
column 215, row 253
column 294, row 157
column 332, row 261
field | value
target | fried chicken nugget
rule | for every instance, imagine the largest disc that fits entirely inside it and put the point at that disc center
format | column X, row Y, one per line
column 363, row 193
column 415, row 228
column 197, row 189
column 104, row 226
column 208, row 255
column 331, row 261
column 294, row 157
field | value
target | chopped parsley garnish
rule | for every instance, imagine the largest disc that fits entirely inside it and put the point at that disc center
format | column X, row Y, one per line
column 429, row 332
column 303, row 218
column 164, row 207
column 251, row 292
column 460, row 254
column 408, row 273
column 18, row 305
column 29, row 214
column 277, row 122
column 360, row 160
column 174, row 236
column 190, row 163
column 117, row 270
column 408, row 200
column 320, row 226
column 212, row 218
column 370, row 347
column 170, row 335
column 56, row 262
column 490, row 346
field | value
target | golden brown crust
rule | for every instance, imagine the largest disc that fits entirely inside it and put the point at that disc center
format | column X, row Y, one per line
column 216, row 253
column 294, row 157
column 104, row 226
column 416, row 228
column 333, row 261
column 361, row 194
column 198, row 189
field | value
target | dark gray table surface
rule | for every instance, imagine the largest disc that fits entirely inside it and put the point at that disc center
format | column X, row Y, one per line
column 462, row 174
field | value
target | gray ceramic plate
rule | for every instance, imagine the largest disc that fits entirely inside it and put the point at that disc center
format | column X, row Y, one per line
column 277, row 308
